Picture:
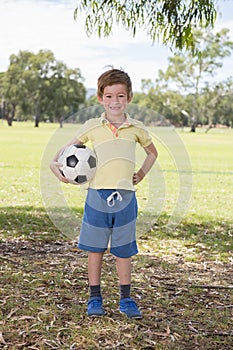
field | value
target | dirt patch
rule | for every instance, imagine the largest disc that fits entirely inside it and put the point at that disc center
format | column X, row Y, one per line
column 186, row 305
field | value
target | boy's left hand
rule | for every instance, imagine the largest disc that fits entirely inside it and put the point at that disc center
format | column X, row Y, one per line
column 138, row 176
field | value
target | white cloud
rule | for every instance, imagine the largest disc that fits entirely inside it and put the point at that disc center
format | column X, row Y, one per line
column 34, row 25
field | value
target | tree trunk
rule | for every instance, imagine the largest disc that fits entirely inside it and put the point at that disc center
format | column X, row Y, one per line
column 61, row 122
column 9, row 121
column 193, row 128
column 10, row 115
column 37, row 121
column 37, row 114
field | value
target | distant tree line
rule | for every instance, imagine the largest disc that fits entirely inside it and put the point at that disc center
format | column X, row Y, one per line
column 187, row 92
column 39, row 87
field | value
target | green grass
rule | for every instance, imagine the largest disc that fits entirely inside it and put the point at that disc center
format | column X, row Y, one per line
column 212, row 165
column 210, row 156
column 182, row 277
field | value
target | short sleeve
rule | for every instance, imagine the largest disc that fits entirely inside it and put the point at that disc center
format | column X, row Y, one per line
column 84, row 133
column 144, row 137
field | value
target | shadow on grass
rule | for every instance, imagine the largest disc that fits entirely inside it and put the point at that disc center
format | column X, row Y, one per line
column 214, row 235
column 31, row 223
column 49, row 278
column 34, row 223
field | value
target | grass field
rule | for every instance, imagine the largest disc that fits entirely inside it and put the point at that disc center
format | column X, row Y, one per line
column 182, row 277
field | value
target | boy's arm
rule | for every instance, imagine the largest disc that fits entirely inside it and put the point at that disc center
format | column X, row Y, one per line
column 54, row 164
column 151, row 157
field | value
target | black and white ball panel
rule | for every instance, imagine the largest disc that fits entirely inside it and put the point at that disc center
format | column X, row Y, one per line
column 78, row 164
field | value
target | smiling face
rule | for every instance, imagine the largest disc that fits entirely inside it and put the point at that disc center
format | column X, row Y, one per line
column 115, row 100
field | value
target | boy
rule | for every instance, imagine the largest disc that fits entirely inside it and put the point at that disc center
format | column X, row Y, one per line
column 111, row 205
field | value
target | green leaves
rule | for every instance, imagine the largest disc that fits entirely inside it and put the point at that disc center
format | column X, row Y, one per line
column 169, row 21
column 36, row 84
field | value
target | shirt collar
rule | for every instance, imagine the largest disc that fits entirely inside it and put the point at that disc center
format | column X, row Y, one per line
column 129, row 121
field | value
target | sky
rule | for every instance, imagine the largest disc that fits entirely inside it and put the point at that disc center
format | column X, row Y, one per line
column 49, row 24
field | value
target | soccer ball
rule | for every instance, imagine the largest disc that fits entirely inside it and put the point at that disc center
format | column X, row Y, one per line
column 78, row 164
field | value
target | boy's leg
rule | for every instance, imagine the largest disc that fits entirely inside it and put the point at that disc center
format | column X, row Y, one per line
column 124, row 270
column 127, row 305
column 94, row 268
column 95, row 307
column 124, row 273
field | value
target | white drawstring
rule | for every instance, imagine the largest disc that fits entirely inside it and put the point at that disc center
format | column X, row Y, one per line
column 111, row 199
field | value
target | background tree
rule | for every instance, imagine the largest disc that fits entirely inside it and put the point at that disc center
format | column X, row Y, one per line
column 39, row 70
column 14, row 89
column 222, row 111
column 66, row 92
column 192, row 73
column 39, row 86
column 185, row 90
column 2, row 101
column 172, row 21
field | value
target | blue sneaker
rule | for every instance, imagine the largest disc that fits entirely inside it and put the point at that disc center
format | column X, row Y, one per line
column 94, row 307
column 129, row 307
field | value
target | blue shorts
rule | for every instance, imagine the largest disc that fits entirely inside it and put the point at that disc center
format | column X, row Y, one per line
column 109, row 216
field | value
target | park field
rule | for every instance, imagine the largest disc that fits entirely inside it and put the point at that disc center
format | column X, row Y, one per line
column 208, row 157
column 182, row 276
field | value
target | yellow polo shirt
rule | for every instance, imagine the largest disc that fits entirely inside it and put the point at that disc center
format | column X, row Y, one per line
column 115, row 150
